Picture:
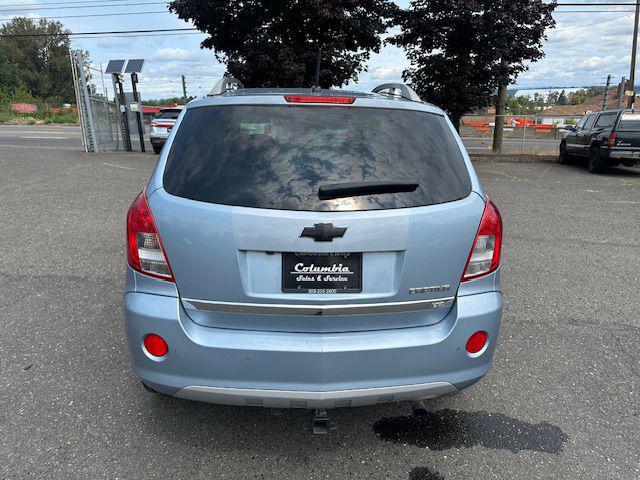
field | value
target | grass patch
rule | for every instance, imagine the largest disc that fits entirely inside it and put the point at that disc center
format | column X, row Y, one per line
column 69, row 118
column 47, row 118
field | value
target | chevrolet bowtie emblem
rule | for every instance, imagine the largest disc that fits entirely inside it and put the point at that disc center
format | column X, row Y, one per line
column 323, row 232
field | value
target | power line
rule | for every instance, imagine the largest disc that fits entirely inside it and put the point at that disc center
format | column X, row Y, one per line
column 167, row 11
column 593, row 11
column 109, row 3
column 63, row 34
column 589, row 24
column 141, row 35
column 60, row 3
column 595, row 4
column 122, row 4
column 90, row 15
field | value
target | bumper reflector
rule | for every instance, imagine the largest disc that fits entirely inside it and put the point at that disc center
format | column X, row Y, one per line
column 476, row 342
column 155, row 345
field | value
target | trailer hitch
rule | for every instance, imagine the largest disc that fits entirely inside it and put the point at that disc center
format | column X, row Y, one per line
column 320, row 422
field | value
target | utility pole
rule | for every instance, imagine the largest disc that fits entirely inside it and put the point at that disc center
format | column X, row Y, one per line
column 606, row 92
column 623, row 83
column 104, row 88
column 501, row 109
column 184, row 89
column 634, row 48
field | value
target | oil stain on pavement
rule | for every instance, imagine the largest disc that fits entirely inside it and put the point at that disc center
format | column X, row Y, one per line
column 446, row 429
column 423, row 473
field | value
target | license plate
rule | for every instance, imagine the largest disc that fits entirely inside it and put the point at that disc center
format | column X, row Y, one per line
column 320, row 273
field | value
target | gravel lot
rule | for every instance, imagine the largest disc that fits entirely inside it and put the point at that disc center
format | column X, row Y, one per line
column 562, row 401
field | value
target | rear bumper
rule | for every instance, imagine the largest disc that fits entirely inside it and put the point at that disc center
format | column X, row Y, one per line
column 617, row 156
column 158, row 139
column 309, row 370
column 303, row 399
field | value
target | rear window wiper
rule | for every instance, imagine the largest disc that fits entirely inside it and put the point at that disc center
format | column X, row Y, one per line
column 341, row 190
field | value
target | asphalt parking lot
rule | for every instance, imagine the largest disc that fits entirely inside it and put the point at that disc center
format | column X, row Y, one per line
column 562, row 401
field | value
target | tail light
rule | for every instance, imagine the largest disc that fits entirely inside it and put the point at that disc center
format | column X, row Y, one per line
column 161, row 125
column 319, row 99
column 613, row 139
column 144, row 248
column 485, row 254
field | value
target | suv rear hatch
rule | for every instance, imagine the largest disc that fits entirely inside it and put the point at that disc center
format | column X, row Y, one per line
column 164, row 121
column 252, row 244
column 628, row 132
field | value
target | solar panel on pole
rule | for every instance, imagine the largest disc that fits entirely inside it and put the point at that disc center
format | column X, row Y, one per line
column 115, row 66
column 134, row 66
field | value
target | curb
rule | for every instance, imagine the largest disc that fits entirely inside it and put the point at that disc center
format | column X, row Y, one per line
column 513, row 158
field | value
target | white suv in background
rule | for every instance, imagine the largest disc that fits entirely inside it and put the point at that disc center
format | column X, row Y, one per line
column 161, row 127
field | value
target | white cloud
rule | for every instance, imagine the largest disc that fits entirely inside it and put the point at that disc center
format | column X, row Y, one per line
column 169, row 53
column 384, row 73
column 108, row 43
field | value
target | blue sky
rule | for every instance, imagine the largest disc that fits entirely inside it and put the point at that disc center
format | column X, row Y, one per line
column 582, row 50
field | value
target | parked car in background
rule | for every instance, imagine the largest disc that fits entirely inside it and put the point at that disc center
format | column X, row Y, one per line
column 161, row 126
column 304, row 249
column 607, row 138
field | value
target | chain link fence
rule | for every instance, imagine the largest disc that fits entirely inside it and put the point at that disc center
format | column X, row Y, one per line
column 522, row 134
column 105, row 124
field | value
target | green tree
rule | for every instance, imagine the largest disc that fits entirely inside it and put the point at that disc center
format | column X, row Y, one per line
column 274, row 43
column 594, row 91
column 23, row 96
column 42, row 61
column 525, row 105
column 10, row 79
column 462, row 51
column 562, row 98
column 163, row 102
column 578, row 97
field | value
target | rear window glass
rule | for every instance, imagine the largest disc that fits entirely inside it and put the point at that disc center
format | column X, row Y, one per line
column 606, row 120
column 629, row 121
column 279, row 156
column 589, row 123
column 168, row 114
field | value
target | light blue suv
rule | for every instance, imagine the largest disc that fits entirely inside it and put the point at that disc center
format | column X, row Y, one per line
column 312, row 249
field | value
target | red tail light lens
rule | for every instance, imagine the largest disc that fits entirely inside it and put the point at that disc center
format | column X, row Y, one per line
column 613, row 139
column 319, row 99
column 155, row 345
column 485, row 254
column 476, row 342
column 144, row 248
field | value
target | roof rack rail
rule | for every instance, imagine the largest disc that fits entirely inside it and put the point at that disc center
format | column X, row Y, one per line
column 224, row 85
column 398, row 90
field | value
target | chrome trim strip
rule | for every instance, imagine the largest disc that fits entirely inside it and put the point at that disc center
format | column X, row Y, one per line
column 317, row 310
column 311, row 399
